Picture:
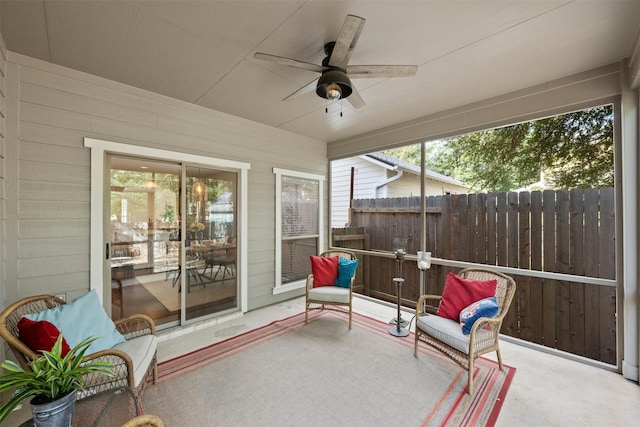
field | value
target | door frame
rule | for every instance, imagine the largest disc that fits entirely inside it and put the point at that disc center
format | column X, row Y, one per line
column 99, row 273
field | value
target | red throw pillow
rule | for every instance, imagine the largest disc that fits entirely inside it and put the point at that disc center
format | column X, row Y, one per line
column 324, row 269
column 458, row 293
column 40, row 335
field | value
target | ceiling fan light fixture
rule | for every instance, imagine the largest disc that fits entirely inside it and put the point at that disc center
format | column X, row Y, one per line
column 334, row 92
column 333, row 85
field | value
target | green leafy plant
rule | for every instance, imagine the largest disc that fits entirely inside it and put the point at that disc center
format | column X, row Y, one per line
column 51, row 377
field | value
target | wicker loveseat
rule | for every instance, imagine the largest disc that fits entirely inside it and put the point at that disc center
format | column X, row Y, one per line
column 446, row 334
column 134, row 361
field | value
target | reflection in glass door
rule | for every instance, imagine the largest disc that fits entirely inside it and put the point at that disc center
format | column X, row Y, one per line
column 210, row 242
column 145, row 238
column 154, row 256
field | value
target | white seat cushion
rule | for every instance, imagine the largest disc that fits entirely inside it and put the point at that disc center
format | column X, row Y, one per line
column 141, row 350
column 330, row 294
column 446, row 330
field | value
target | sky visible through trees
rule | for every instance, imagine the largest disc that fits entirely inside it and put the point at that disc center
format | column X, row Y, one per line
column 573, row 150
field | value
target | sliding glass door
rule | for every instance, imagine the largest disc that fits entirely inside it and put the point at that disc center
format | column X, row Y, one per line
column 171, row 270
column 210, row 244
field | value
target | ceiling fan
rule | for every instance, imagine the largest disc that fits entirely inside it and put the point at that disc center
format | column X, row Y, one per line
column 334, row 82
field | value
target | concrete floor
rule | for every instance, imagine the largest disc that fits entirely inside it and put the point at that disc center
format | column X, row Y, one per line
column 547, row 390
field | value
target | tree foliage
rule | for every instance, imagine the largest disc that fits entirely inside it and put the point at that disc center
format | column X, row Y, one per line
column 573, row 150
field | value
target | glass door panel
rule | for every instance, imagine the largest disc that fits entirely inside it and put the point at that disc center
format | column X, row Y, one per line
column 154, row 257
column 145, row 238
column 210, row 242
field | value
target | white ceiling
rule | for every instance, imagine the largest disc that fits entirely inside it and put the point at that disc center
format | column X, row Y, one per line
column 202, row 51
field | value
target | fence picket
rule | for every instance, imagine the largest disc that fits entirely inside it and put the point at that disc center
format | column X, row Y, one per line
column 576, row 290
column 549, row 264
column 535, row 284
column 523, row 309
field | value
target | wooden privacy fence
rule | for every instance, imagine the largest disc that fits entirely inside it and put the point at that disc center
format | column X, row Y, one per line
column 566, row 231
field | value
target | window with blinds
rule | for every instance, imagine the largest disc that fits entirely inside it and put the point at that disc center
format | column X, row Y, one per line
column 299, row 224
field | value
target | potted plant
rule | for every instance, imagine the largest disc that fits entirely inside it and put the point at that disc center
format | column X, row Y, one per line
column 53, row 382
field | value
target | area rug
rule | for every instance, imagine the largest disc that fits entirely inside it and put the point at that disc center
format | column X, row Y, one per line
column 323, row 374
column 169, row 297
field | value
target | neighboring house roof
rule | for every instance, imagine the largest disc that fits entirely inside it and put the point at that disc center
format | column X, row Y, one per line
column 395, row 163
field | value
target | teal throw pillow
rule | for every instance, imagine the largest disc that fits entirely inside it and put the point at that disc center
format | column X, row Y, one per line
column 82, row 318
column 346, row 270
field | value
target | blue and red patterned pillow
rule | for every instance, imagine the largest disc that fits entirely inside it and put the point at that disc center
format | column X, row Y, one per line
column 487, row 307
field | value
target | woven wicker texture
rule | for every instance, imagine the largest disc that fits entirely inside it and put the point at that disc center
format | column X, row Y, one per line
column 479, row 343
column 130, row 327
column 319, row 304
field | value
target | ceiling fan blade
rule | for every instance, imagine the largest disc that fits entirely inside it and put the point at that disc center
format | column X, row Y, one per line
column 355, row 99
column 347, row 39
column 380, row 71
column 289, row 62
column 308, row 88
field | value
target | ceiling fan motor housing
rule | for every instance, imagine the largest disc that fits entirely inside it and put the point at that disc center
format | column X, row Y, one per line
column 332, row 80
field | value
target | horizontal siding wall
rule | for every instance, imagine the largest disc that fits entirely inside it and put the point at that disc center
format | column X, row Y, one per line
column 366, row 177
column 58, row 107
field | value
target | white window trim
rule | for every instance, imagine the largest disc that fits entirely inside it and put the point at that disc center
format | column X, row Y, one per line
column 99, row 150
column 279, row 288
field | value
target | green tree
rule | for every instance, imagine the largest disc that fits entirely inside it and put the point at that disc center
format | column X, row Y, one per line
column 573, row 150
column 169, row 213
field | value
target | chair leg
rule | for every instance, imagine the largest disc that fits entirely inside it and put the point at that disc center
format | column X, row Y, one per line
column 350, row 312
column 176, row 278
column 306, row 314
column 155, row 373
column 415, row 344
column 470, row 380
column 499, row 358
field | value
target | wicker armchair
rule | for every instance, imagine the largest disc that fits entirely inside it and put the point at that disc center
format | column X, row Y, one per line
column 330, row 297
column 138, row 330
column 146, row 420
column 446, row 335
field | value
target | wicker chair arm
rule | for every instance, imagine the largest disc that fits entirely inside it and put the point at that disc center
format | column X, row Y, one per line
column 497, row 320
column 428, row 304
column 110, row 353
column 136, row 325
column 23, row 354
column 122, row 368
column 309, row 282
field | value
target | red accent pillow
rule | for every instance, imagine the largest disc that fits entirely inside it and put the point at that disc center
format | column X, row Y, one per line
column 40, row 335
column 324, row 269
column 458, row 293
